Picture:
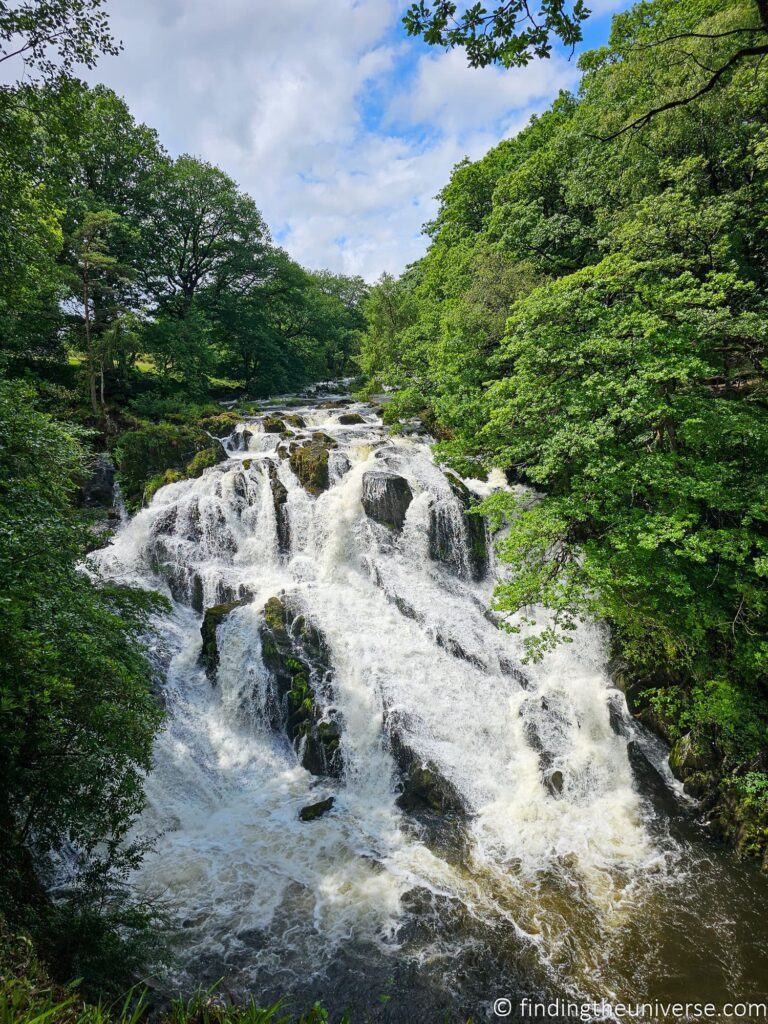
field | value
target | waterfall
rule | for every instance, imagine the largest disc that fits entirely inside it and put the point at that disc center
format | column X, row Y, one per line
column 484, row 811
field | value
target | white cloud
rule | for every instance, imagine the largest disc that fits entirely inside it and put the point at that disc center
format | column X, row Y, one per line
column 339, row 132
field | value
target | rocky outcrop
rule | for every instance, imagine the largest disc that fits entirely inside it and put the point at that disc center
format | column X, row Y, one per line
column 386, row 497
column 212, row 619
column 309, row 462
column 98, row 491
column 280, row 501
column 422, row 784
column 297, row 657
column 448, row 535
column 313, row 811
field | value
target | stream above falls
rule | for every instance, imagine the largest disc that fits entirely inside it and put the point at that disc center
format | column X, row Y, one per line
column 496, row 828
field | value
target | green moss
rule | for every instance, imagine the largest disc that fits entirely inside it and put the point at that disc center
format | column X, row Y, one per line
column 170, row 476
column 310, row 464
column 273, row 425
column 205, row 459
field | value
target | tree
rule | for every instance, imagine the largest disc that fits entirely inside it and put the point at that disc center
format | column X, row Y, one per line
column 99, row 273
column 205, row 234
column 52, row 37
column 511, row 35
column 76, row 702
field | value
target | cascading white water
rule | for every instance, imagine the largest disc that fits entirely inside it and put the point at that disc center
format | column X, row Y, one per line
column 549, row 855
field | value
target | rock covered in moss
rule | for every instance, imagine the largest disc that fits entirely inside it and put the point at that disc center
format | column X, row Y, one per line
column 297, row 658
column 309, row 462
column 386, row 497
column 205, row 459
column 212, row 619
column 349, row 419
column 273, row 425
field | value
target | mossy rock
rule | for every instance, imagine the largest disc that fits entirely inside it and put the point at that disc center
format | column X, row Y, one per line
column 297, row 658
column 273, row 425
column 212, row 619
column 310, row 464
column 222, row 424
column 295, row 420
column 423, row 786
column 323, row 438
column 350, row 419
column 205, row 459
column 170, row 476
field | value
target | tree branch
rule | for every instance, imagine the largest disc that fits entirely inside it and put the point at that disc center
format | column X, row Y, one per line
column 640, row 122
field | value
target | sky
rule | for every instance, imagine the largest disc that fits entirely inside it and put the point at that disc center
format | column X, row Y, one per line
column 341, row 127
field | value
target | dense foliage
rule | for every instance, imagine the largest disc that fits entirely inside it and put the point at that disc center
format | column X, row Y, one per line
column 591, row 317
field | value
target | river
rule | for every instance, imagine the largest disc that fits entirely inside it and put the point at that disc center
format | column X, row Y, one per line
column 563, row 861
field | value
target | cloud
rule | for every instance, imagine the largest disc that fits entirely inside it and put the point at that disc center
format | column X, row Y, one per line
column 341, row 129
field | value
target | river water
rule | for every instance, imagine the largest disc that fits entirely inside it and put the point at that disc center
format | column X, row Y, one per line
column 570, row 864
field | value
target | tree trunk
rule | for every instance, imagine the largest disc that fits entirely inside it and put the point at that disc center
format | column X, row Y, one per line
column 89, row 342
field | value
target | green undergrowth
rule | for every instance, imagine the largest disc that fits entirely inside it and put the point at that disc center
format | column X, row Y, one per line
column 28, row 995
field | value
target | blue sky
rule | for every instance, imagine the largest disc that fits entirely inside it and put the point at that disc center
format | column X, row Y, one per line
column 341, row 127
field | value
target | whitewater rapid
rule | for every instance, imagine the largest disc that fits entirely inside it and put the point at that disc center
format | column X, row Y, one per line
column 548, row 860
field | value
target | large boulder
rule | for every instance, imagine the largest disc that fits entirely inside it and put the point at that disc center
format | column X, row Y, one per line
column 297, row 657
column 349, row 419
column 386, row 497
column 447, row 535
column 309, row 462
column 212, row 619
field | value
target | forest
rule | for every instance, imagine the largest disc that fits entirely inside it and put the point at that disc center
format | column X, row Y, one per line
column 590, row 317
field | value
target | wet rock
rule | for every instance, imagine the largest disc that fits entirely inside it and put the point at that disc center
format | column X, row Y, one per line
column 313, row 811
column 212, row 619
column 296, row 421
column 448, row 535
column 541, row 719
column 165, row 523
column 297, row 657
column 349, row 419
column 386, row 497
column 323, row 438
column 273, row 425
column 616, row 715
column 553, row 783
column 310, row 464
column 280, row 501
column 649, row 780
column 98, row 491
column 423, row 786
column 241, row 439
